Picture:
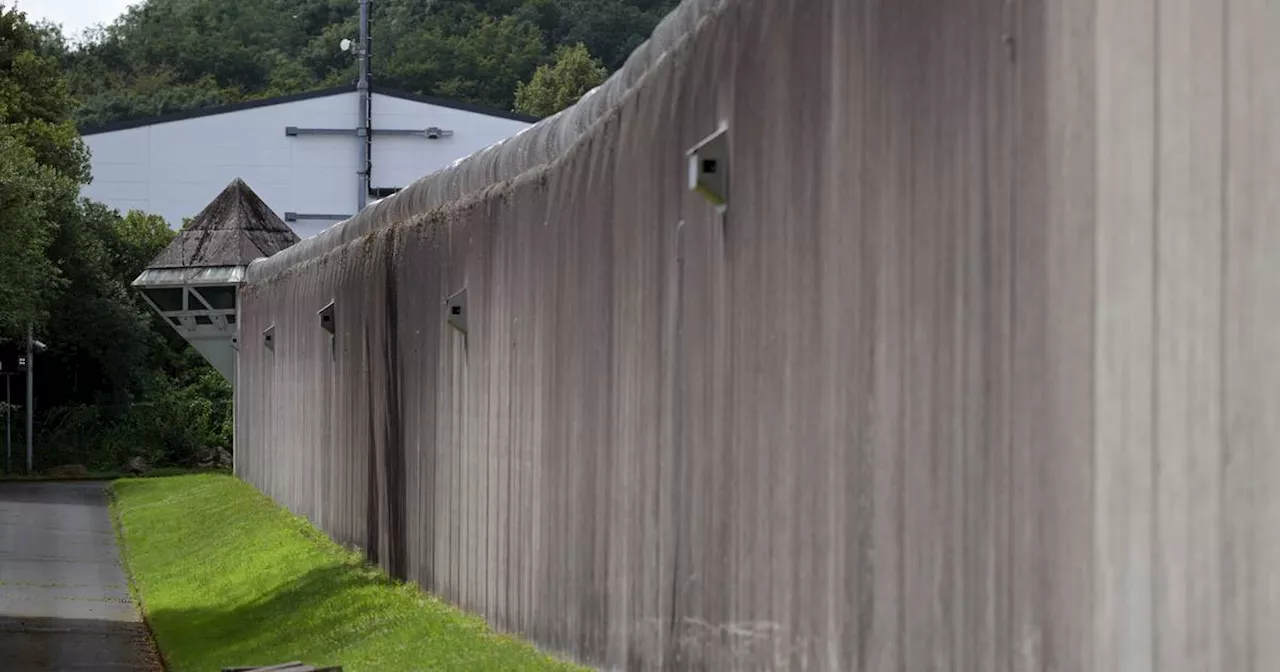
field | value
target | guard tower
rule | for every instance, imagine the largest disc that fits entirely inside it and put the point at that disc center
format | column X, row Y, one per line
column 193, row 282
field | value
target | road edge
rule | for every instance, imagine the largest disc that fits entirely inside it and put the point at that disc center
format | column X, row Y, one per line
column 117, row 528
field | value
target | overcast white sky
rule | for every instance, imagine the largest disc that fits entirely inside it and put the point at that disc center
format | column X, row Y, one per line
column 74, row 15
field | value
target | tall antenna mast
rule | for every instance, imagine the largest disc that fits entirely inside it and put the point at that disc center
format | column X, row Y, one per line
column 364, row 131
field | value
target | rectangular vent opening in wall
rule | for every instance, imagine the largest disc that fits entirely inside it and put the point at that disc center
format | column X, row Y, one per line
column 709, row 168
column 326, row 318
column 456, row 310
column 269, row 337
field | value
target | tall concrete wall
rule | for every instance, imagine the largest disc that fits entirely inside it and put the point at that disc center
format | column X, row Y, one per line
column 980, row 370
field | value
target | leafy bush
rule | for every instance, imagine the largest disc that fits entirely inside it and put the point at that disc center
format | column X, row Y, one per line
column 169, row 429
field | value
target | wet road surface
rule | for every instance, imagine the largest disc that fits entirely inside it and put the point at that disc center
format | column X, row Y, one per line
column 64, row 600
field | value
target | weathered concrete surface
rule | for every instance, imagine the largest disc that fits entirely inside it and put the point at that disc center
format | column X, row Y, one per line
column 979, row 371
column 64, row 601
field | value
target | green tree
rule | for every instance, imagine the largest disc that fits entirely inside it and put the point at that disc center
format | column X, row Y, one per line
column 611, row 29
column 97, row 328
column 555, row 87
column 42, row 165
column 137, row 238
column 27, row 192
column 482, row 65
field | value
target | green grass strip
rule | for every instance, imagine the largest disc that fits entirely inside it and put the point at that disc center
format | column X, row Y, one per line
column 225, row 577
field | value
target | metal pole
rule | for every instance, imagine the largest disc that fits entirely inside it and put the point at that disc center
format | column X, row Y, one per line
column 364, row 130
column 8, row 424
column 31, row 407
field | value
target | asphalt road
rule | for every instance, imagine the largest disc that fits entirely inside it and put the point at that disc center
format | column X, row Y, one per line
column 64, row 601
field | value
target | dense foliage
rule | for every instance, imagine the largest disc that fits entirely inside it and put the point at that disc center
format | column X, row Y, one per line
column 114, row 380
column 44, row 163
column 171, row 55
column 555, row 87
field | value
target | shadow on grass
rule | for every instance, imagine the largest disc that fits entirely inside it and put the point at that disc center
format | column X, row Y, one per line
column 311, row 619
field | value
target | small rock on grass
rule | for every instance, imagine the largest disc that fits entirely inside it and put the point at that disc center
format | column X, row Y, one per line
column 137, row 465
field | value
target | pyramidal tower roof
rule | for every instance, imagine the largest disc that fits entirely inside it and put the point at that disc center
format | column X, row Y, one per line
column 233, row 230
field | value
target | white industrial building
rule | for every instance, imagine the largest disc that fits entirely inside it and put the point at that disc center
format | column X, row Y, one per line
column 300, row 153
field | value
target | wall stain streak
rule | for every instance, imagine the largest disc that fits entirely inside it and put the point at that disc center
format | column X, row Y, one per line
column 978, row 371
